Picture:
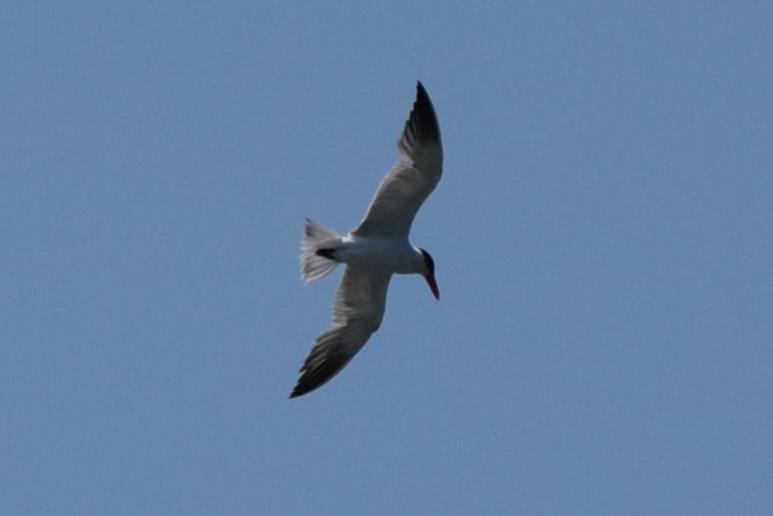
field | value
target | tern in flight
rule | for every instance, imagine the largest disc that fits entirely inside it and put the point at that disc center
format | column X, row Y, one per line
column 375, row 250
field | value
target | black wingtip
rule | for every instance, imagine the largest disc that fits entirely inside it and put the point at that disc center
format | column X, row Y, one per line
column 423, row 115
column 303, row 387
column 307, row 384
column 298, row 391
column 320, row 367
column 422, row 126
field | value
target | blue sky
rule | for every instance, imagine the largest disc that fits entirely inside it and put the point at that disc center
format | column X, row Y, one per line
column 603, row 236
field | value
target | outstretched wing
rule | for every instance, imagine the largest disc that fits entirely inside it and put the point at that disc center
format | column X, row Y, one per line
column 404, row 189
column 357, row 313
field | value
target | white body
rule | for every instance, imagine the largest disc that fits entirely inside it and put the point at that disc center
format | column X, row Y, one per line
column 392, row 254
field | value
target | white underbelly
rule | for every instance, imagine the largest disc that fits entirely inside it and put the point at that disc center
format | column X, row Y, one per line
column 392, row 254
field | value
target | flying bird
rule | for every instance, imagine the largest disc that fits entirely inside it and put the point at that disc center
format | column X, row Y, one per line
column 375, row 250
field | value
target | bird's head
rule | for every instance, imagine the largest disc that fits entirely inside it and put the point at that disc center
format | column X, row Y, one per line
column 429, row 272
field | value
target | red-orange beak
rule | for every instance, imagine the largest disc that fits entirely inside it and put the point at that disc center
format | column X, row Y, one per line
column 433, row 285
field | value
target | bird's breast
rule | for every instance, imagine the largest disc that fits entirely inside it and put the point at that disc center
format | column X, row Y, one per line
column 394, row 255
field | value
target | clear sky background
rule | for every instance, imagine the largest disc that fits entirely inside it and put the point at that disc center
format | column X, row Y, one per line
column 603, row 235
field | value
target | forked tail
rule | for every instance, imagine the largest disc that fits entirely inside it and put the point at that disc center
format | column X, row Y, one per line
column 316, row 237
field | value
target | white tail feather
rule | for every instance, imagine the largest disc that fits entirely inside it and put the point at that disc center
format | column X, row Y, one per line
column 316, row 236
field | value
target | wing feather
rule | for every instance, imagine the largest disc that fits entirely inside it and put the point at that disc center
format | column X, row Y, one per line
column 406, row 186
column 357, row 312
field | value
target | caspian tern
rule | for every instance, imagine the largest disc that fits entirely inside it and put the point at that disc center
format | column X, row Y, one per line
column 375, row 250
